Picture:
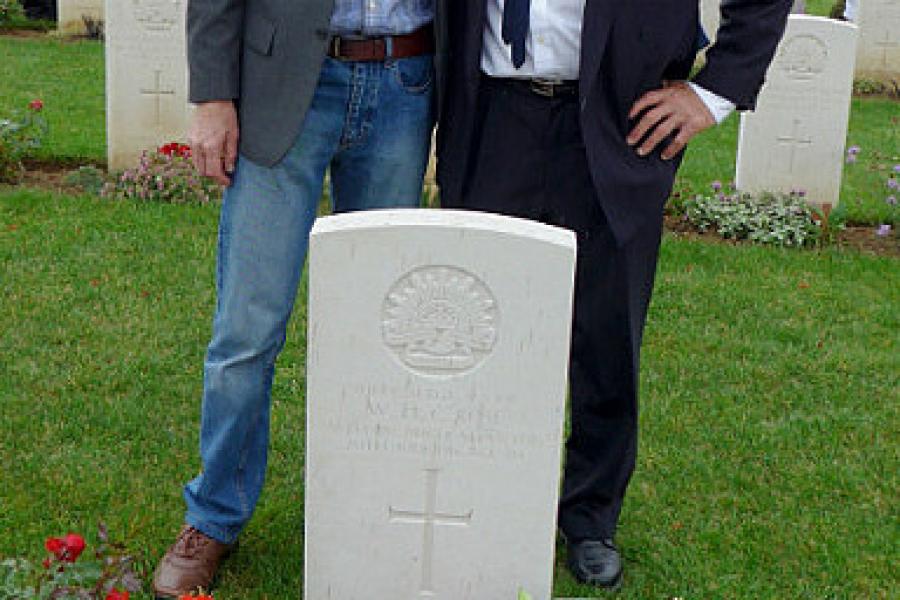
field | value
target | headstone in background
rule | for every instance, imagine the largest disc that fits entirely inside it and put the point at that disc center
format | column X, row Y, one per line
column 146, row 77
column 710, row 16
column 438, row 351
column 795, row 139
column 71, row 14
column 878, row 55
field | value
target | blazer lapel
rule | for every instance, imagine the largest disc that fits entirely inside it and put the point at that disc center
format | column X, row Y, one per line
column 598, row 19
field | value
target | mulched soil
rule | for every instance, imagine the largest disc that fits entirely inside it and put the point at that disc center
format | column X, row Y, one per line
column 855, row 237
column 51, row 176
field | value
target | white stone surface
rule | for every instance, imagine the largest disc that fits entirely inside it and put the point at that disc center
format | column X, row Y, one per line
column 438, row 351
column 796, row 137
column 878, row 55
column 70, row 14
column 146, row 77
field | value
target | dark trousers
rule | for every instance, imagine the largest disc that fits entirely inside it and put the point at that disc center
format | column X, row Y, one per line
column 528, row 160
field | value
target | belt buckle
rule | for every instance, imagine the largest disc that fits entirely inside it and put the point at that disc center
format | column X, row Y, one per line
column 545, row 87
column 336, row 47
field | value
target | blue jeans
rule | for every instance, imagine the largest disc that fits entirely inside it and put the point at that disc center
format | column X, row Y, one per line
column 371, row 124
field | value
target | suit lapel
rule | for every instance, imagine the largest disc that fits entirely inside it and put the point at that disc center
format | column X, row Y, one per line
column 598, row 18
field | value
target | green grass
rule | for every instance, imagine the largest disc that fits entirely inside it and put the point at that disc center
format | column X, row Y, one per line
column 769, row 449
column 69, row 77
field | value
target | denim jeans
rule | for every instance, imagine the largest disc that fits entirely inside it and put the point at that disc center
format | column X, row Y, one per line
column 370, row 123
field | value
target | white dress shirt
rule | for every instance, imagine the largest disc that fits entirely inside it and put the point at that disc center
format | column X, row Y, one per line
column 553, row 48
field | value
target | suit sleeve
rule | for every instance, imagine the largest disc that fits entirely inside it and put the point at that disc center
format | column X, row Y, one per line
column 736, row 64
column 214, row 34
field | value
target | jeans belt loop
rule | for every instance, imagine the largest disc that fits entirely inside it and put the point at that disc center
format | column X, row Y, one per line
column 388, row 47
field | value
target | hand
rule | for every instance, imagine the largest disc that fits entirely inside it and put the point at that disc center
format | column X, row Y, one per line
column 673, row 108
column 214, row 140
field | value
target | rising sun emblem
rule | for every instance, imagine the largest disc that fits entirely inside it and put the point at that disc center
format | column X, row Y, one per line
column 440, row 320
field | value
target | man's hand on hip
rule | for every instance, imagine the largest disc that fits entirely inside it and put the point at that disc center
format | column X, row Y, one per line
column 673, row 109
column 214, row 140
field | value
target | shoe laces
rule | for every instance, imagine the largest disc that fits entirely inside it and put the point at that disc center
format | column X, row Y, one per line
column 190, row 542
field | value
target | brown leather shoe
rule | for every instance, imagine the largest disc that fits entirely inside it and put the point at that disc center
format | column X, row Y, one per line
column 189, row 565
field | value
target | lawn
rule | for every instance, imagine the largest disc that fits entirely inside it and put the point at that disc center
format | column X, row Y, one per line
column 769, row 450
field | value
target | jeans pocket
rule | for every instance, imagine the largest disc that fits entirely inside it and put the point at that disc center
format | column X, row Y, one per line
column 414, row 75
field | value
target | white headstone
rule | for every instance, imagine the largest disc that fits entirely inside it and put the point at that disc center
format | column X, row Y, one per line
column 70, row 15
column 795, row 139
column 711, row 17
column 878, row 55
column 146, row 77
column 438, row 352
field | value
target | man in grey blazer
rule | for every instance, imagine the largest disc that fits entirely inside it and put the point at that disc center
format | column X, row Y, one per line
column 285, row 89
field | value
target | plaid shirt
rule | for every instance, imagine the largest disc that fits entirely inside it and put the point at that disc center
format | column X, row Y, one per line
column 380, row 17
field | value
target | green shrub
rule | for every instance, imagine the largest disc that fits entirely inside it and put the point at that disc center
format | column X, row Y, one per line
column 19, row 135
column 777, row 219
column 11, row 12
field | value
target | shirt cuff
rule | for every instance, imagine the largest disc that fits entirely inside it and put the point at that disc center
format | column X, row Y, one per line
column 717, row 105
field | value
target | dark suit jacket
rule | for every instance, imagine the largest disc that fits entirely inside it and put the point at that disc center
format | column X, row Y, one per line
column 628, row 48
column 266, row 55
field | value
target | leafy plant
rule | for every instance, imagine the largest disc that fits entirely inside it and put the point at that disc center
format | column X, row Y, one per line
column 768, row 218
column 88, row 179
column 94, row 28
column 20, row 134
column 109, row 574
column 11, row 12
column 167, row 175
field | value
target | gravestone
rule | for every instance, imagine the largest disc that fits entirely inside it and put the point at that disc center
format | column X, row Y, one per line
column 71, row 15
column 878, row 55
column 146, row 77
column 438, row 351
column 795, row 139
column 710, row 16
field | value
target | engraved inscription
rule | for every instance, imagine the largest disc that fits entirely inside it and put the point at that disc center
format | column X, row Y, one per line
column 803, row 57
column 156, row 15
column 436, row 424
column 429, row 517
column 440, row 320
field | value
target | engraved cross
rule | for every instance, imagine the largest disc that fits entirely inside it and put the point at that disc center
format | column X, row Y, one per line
column 886, row 44
column 795, row 142
column 157, row 92
column 429, row 518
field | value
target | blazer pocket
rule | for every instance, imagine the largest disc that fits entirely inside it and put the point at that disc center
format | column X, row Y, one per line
column 259, row 34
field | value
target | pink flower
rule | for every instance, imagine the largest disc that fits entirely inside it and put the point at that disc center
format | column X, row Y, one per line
column 37, row 105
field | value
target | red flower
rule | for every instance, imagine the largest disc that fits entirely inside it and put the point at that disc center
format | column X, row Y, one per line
column 117, row 595
column 55, row 546
column 175, row 149
column 36, row 105
column 74, row 546
column 67, row 548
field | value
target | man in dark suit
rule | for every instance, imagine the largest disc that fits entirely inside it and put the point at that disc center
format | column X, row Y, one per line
column 576, row 113
column 285, row 89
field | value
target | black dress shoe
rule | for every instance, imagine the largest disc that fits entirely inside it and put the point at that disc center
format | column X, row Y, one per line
column 596, row 562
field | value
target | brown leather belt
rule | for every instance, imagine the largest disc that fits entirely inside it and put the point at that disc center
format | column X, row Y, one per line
column 417, row 43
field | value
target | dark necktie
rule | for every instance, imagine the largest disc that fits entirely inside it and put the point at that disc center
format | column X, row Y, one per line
column 516, row 17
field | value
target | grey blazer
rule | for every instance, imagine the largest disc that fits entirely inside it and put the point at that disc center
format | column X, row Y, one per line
column 266, row 55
